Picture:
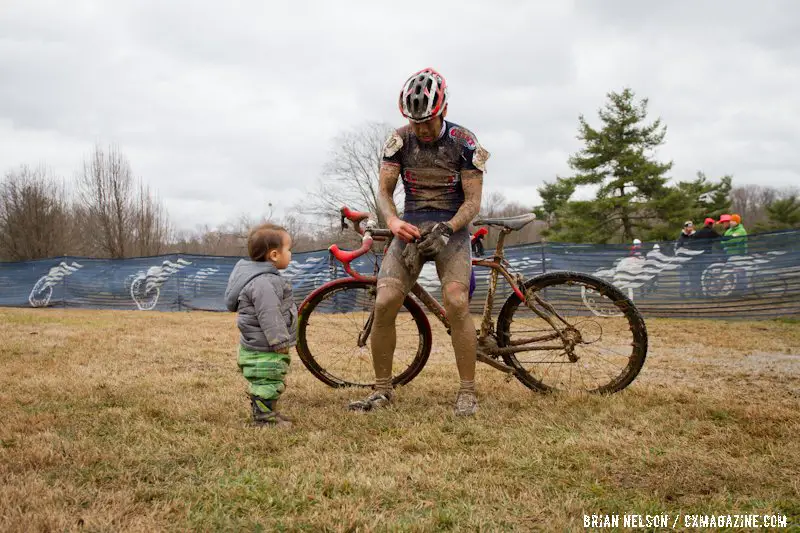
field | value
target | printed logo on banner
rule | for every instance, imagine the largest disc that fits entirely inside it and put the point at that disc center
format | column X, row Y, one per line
column 635, row 272
column 310, row 272
column 146, row 285
column 43, row 289
column 199, row 277
column 747, row 273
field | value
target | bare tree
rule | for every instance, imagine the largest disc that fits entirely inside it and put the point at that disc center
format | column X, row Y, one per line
column 151, row 229
column 123, row 217
column 494, row 204
column 350, row 177
column 751, row 201
column 204, row 240
column 34, row 215
column 106, row 194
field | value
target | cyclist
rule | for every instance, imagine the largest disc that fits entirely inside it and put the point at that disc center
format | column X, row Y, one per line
column 441, row 165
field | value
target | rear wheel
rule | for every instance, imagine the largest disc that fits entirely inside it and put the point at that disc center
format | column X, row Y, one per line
column 598, row 349
column 334, row 329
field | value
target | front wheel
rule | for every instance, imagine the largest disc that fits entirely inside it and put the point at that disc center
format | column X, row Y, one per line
column 569, row 346
column 335, row 324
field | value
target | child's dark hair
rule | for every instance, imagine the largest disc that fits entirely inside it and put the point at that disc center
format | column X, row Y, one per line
column 263, row 239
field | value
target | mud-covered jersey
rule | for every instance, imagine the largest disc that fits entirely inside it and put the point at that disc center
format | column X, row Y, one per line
column 431, row 172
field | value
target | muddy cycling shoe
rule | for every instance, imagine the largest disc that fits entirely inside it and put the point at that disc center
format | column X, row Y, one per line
column 466, row 404
column 376, row 400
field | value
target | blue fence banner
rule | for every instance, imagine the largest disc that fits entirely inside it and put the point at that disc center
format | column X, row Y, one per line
column 701, row 280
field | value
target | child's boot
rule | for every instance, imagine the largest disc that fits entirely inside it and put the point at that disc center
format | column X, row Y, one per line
column 279, row 414
column 264, row 413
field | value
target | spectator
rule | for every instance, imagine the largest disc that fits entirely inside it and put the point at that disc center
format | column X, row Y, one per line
column 636, row 248
column 735, row 238
column 477, row 242
column 734, row 242
column 684, row 240
column 705, row 238
column 687, row 234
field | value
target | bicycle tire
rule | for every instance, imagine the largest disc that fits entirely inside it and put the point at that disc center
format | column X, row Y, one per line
column 631, row 314
column 319, row 371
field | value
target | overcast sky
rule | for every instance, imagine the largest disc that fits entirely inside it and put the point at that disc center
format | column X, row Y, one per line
column 225, row 106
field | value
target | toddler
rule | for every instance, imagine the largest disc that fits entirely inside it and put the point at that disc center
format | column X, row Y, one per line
column 267, row 319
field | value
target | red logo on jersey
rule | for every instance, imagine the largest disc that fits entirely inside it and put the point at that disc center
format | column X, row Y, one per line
column 463, row 136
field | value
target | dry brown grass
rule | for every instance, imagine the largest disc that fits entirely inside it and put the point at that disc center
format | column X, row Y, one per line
column 136, row 421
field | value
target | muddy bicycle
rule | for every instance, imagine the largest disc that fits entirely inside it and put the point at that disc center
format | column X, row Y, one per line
column 544, row 334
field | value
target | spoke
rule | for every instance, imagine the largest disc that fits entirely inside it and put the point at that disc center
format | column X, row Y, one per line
column 349, row 362
column 606, row 361
column 610, row 376
column 334, row 360
column 581, row 369
column 560, row 370
column 594, row 379
column 608, row 350
column 549, row 365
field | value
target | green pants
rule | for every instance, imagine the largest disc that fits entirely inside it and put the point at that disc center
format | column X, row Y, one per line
column 265, row 372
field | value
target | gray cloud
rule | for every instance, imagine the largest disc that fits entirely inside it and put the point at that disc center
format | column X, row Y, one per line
column 225, row 108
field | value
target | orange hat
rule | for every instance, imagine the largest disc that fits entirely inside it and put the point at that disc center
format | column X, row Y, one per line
column 736, row 218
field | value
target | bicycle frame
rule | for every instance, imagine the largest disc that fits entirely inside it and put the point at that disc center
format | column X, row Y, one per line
column 488, row 350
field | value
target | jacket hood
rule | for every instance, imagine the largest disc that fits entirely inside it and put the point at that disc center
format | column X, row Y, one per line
column 243, row 272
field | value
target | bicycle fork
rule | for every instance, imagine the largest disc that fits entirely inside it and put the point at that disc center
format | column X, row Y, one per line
column 367, row 329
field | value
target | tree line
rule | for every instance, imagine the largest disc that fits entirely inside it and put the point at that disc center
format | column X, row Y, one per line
column 104, row 212
column 628, row 189
column 626, row 193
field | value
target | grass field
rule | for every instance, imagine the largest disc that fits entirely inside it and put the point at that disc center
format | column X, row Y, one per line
column 137, row 421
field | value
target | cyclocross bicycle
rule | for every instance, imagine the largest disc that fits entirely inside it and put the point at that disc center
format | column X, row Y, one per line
column 544, row 335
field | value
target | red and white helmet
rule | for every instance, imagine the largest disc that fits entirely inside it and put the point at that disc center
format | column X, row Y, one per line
column 424, row 96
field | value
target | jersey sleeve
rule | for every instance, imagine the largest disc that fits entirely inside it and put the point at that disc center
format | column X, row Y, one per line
column 473, row 155
column 392, row 150
column 475, row 159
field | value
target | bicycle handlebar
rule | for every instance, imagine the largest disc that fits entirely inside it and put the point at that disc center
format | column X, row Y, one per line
column 346, row 256
column 370, row 234
column 353, row 216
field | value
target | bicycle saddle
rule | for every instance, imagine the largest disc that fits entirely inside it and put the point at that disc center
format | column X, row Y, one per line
column 512, row 223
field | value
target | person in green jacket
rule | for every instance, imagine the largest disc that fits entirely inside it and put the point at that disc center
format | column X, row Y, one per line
column 734, row 241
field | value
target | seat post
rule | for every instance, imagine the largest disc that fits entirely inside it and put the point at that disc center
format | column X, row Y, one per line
column 498, row 253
